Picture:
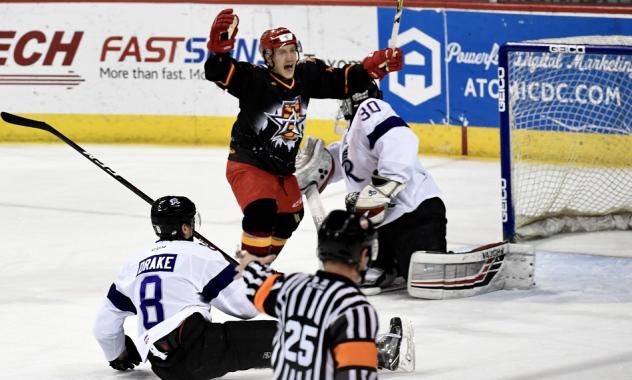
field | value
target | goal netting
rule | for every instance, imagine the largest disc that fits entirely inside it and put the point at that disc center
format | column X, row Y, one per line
column 566, row 137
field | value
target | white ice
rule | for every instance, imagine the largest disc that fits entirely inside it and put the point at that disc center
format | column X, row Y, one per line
column 67, row 227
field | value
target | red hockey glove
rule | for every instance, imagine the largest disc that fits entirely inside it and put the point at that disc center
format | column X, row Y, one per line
column 381, row 62
column 223, row 32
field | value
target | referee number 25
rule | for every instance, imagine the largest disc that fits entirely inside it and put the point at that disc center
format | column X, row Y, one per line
column 299, row 343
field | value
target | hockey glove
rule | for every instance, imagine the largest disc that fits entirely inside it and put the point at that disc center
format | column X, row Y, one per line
column 129, row 359
column 374, row 199
column 314, row 165
column 223, row 32
column 381, row 62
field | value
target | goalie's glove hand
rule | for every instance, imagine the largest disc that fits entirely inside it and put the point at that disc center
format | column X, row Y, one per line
column 129, row 359
column 223, row 32
column 314, row 165
column 381, row 62
column 374, row 199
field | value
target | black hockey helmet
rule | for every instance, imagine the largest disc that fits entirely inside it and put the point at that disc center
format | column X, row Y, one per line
column 169, row 213
column 343, row 235
column 349, row 106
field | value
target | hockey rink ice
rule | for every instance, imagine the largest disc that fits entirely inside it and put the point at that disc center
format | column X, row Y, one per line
column 67, row 228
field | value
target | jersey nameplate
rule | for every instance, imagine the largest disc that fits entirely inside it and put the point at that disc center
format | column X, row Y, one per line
column 158, row 263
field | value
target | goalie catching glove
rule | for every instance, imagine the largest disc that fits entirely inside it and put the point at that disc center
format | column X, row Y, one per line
column 374, row 198
column 223, row 32
column 314, row 165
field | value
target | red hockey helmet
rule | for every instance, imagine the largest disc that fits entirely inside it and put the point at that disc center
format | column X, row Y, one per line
column 275, row 38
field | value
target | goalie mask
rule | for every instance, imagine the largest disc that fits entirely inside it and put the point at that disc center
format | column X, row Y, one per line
column 169, row 213
column 275, row 38
column 349, row 106
column 343, row 235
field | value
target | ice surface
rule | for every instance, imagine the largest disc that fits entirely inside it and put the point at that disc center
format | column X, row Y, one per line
column 67, row 227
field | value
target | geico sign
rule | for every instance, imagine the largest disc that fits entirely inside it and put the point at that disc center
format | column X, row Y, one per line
column 501, row 89
column 30, row 47
column 571, row 49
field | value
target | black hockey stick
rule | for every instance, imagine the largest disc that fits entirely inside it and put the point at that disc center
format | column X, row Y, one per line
column 22, row 121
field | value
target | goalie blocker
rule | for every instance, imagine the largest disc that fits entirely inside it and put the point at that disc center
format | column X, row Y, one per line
column 434, row 275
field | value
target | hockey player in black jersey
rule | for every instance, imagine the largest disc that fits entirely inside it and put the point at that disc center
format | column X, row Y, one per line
column 327, row 328
column 265, row 138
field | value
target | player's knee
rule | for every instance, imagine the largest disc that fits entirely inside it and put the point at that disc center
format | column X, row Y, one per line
column 287, row 223
column 250, row 343
column 260, row 216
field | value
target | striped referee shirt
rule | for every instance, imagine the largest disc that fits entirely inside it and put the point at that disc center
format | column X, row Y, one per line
column 326, row 326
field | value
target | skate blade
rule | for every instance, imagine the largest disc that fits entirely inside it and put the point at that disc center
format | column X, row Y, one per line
column 407, row 348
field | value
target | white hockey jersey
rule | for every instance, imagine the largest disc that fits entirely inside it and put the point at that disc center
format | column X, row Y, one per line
column 378, row 140
column 163, row 286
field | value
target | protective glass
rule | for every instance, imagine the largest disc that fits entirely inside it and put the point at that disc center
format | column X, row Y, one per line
column 346, row 107
column 340, row 123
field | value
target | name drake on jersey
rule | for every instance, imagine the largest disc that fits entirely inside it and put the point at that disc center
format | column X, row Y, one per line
column 157, row 263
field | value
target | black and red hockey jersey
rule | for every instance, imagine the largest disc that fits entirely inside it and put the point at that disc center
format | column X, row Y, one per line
column 271, row 120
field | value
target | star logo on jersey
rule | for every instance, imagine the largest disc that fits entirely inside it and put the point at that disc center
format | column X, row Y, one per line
column 289, row 122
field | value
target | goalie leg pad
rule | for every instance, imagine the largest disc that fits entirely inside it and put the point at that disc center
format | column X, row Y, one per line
column 434, row 275
column 314, row 164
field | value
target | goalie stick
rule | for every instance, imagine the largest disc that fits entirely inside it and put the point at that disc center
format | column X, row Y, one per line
column 24, row 122
column 314, row 166
column 315, row 205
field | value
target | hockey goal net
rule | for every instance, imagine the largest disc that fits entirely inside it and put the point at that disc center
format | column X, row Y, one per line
column 566, row 138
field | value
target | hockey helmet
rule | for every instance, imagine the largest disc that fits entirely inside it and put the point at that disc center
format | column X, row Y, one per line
column 343, row 235
column 349, row 106
column 275, row 38
column 169, row 213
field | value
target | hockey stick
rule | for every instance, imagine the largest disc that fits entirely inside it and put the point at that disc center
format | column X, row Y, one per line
column 392, row 42
column 315, row 204
column 24, row 122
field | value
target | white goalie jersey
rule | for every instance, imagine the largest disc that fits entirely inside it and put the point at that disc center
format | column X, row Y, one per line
column 379, row 142
column 163, row 286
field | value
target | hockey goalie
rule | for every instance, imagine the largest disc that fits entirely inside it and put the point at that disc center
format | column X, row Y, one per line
column 378, row 160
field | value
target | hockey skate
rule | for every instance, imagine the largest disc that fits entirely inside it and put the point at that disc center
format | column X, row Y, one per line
column 377, row 281
column 396, row 349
